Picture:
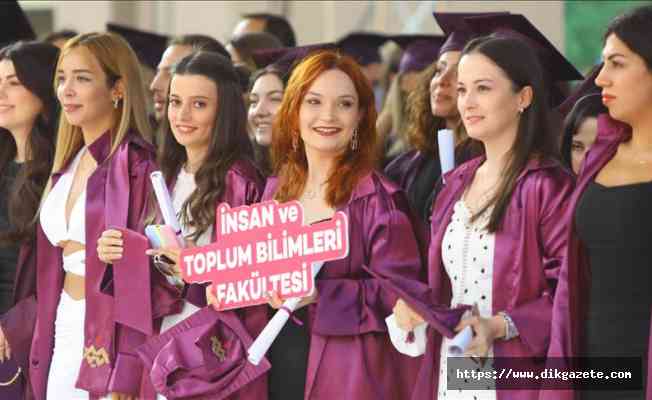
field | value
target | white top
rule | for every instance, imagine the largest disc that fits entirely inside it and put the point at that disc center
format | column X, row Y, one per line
column 53, row 212
column 53, row 217
column 468, row 257
column 183, row 188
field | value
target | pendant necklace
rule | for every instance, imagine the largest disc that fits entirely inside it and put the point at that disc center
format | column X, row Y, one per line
column 311, row 194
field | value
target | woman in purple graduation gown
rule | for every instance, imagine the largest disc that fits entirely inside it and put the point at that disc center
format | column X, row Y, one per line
column 206, row 158
column 497, row 225
column 430, row 107
column 27, row 134
column 92, row 314
column 265, row 96
column 324, row 152
column 611, row 213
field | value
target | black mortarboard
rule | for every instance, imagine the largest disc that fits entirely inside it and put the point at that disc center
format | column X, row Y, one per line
column 148, row 46
column 363, row 46
column 457, row 31
column 285, row 58
column 14, row 25
column 516, row 25
column 419, row 51
column 584, row 89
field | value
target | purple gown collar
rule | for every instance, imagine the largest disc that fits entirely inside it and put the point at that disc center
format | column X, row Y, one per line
column 101, row 148
column 467, row 170
column 364, row 187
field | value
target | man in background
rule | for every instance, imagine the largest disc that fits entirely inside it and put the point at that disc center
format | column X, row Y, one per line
column 270, row 23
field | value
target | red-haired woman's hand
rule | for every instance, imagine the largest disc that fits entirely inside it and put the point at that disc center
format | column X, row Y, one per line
column 5, row 350
column 275, row 301
column 406, row 318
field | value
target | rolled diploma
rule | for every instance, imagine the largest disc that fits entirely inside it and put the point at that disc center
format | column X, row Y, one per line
column 264, row 341
column 458, row 345
column 165, row 204
column 446, row 144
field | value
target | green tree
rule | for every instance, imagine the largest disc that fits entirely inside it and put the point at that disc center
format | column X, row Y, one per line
column 585, row 24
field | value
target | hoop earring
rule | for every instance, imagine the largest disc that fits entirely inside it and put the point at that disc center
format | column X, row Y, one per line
column 354, row 140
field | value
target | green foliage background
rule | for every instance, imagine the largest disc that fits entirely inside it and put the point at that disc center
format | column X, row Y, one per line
column 585, row 23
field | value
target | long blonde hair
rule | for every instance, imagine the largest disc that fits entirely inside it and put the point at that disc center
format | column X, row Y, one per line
column 119, row 62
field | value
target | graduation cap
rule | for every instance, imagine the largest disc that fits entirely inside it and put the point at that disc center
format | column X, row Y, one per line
column 516, row 25
column 148, row 46
column 457, row 31
column 419, row 51
column 285, row 58
column 582, row 92
column 14, row 25
column 204, row 356
column 363, row 46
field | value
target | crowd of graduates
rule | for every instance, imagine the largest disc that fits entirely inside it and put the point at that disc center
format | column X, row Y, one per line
column 536, row 240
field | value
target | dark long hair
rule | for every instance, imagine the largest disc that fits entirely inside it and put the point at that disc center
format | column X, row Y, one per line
column 633, row 28
column 35, row 65
column 228, row 143
column 534, row 137
column 262, row 153
column 586, row 107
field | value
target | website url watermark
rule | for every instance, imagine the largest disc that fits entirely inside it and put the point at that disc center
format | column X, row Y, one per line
column 528, row 373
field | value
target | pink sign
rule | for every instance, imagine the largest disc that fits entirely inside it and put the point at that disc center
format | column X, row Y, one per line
column 261, row 248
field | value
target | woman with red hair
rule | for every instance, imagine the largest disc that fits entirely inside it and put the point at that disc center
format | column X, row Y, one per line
column 324, row 154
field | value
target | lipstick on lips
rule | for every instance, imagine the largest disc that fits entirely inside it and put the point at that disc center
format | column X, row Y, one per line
column 606, row 98
column 70, row 107
column 327, row 131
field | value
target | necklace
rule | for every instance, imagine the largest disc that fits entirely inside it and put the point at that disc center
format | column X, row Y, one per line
column 311, row 194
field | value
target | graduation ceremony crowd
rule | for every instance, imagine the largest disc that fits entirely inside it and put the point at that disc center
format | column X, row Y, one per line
column 536, row 239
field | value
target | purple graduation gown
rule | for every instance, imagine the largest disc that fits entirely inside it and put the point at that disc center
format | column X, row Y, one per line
column 350, row 354
column 405, row 167
column 529, row 250
column 18, row 322
column 119, row 307
column 243, row 186
column 570, row 307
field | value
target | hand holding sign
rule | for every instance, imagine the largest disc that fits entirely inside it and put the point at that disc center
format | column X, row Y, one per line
column 264, row 248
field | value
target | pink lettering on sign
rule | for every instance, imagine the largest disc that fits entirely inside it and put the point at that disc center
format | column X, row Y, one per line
column 261, row 248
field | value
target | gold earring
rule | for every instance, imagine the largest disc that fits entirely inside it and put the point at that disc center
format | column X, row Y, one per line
column 354, row 140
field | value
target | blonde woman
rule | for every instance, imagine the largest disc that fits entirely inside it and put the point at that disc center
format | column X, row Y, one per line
column 91, row 313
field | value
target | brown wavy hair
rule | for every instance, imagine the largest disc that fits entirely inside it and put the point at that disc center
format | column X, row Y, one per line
column 421, row 123
column 535, row 136
column 228, row 143
column 291, row 166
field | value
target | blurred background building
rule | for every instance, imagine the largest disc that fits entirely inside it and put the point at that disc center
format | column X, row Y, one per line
column 575, row 27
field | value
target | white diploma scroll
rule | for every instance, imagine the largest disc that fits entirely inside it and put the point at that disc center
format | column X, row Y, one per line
column 414, row 346
column 264, row 341
column 165, row 204
column 446, row 144
column 458, row 345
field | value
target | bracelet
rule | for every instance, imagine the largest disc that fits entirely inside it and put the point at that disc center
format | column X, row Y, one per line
column 510, row 328
column 12, row 380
